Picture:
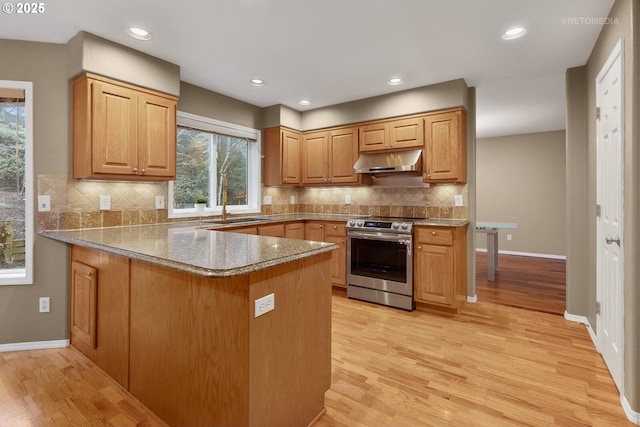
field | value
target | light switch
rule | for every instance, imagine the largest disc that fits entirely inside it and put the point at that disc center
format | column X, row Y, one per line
column 159, row 202
column 347, row 199
column 44, row 203
column 105, row 203
column 458, row 200
column 266, row 200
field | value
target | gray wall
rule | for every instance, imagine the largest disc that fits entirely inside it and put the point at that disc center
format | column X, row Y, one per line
column 623, row 14
column 45, row 65
column 521, row 179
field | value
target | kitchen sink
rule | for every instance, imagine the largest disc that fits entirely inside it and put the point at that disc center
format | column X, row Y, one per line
column 232, row 220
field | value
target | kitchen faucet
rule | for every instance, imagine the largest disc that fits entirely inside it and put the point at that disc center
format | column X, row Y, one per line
column 224, row 196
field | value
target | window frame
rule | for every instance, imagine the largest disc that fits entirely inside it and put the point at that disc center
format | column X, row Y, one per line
column 254, row 166
column 24, row 276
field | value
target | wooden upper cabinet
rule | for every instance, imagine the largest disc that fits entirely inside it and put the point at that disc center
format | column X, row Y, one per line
column 445, row 159
column 408, row 133
column 121, row 131
column 282, row 156
column 392, row 135
column 328, row 156
column 315, row 158
column 374, row 137
column 343, row 154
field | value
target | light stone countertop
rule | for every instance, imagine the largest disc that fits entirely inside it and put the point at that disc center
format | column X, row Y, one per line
column 190, row 248
column 198, row 247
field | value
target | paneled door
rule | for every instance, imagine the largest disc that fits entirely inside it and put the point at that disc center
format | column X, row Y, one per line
column 610, row 173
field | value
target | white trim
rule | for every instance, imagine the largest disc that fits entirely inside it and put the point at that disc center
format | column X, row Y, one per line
column 583, row 320
column 216, row 126
column 34, row 345
column 530, row 254
column 632, row 415
column 27, row 278
column 472, row 298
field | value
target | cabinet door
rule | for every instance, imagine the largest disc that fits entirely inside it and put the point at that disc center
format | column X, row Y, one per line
column 338, row 261
column 374, row 137
column 241, row 230
column 274, row 230
column 408, row 133
column 84, row 294
column 315, row 158
column 294, row 230
column 445, row 159
column 157, row 136
column 343, row 154
column 314, row 231
column 114, row 129
column 291, row 152
column 434, row 274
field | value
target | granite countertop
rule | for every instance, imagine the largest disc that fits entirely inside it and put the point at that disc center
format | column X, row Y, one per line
column 190, row 248
column 203, row 248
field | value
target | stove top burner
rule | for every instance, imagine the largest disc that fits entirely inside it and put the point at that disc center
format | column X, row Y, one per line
column 385, row 224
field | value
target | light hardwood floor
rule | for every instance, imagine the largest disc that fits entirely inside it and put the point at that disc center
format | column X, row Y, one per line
column 493, row 365
column 527, row 282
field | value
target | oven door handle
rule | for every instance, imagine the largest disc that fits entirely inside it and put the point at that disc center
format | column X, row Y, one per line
column 406, row 239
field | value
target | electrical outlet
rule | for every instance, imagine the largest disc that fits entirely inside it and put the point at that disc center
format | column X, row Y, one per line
column 347, row 199
column 267, row 200
column 458, row 200
column 509, row 237
column 293, row 200
column 44, row 203
column 44, row 304
column 105, row 203
column 264, row 305
column 159, row 202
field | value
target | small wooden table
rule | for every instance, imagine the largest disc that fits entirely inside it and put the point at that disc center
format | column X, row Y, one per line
column 491, row 230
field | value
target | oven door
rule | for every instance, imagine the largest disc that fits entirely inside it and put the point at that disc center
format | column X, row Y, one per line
column 380, row 261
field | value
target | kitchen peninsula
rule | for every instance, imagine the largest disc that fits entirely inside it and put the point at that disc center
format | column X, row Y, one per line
column 169, row 311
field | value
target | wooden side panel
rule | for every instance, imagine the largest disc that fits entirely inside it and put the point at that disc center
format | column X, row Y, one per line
column 189, row 346
column 343, row 152
column 110, row 347
column 338, row 261
column 315, row 158
column 114, row 129
column 157, row 131
column 290, row 364
column 84, row 280
column 81, row 127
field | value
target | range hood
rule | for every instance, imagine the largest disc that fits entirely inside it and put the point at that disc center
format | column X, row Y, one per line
column 395, row 161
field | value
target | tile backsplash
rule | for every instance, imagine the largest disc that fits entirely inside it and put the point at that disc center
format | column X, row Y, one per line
column 76, row 203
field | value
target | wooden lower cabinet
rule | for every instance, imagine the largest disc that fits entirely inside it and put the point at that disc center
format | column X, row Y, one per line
column 294, row 230
column 332, row 232
column 99, row 310
column 273, row 230
column 440, row 268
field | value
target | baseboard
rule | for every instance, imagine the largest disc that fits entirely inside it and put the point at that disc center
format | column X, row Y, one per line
column 529, row 254
column 472, row 298
column 35, row 345
column 584, row 321
column 632, row 415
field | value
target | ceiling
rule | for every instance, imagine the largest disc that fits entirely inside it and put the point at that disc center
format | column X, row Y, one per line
column 334, row 51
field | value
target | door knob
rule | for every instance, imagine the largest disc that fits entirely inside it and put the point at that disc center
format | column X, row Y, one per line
column 611, row 240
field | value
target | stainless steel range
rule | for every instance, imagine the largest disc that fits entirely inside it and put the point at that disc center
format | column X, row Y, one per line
column 380, row 261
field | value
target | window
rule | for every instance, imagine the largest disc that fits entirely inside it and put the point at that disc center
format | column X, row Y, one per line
column 208, row 150
column 16, row 183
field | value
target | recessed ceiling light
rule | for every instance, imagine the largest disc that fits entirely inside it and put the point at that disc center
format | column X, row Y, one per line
column 257, row 82
column 514, row 33
column 395, row 81
column 305, row 102
column 139, row 33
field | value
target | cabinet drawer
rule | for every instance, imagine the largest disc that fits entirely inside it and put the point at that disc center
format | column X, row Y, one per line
column 335, row 229
column 434, row 236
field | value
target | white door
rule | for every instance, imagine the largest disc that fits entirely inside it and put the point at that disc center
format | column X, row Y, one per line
column 610, row 167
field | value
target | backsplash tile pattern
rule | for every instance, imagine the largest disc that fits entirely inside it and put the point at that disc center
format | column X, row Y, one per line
column 76, row 203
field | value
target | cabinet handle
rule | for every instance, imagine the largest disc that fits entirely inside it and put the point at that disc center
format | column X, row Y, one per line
column 135, row 170
column 90, row 273
column 419, row 247
column 144, row 171
column 433, row 233
column 335, row 226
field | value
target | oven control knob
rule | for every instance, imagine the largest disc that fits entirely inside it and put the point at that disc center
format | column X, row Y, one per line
column 351, row 223
column 405, row 226
column 395, row 225
column 360, row 223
